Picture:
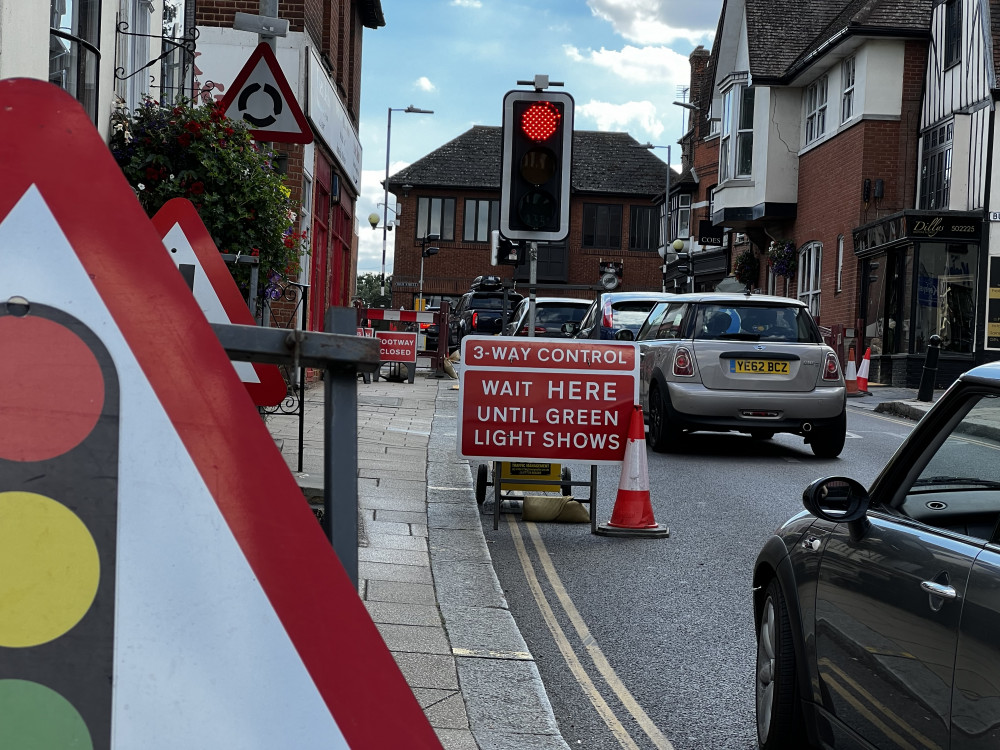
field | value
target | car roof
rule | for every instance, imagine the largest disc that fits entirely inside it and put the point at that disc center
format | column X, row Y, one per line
column 988, row 373
column 613, row 297
column 737, row 298
column 561, row 301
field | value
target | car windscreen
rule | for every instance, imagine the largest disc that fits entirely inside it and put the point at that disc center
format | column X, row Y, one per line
column 630, row 315
column 559, row 314
column 738, row 322
column 494, row 302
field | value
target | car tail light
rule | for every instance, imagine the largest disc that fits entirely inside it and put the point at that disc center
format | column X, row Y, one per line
column 683, row 363
column 475, row 320
column 831, row 369
column 424, row 326
column 608, row 317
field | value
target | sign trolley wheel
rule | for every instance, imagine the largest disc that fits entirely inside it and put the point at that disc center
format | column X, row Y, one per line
column 482, row 484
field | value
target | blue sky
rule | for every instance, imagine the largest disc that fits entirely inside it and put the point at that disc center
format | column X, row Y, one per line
column 623, row 61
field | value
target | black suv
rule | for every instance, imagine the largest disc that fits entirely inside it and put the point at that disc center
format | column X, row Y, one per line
column 481, row 310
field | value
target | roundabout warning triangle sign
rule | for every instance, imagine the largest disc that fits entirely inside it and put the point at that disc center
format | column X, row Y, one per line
column 182, row 594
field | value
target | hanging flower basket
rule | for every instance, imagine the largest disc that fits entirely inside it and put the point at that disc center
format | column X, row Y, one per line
column 746, row 268
column 782, row 257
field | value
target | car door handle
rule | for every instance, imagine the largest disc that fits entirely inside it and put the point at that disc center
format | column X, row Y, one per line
column 939, row 589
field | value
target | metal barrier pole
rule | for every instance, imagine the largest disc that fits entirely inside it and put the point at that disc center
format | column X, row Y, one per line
column 340, row 447
column 929, row 374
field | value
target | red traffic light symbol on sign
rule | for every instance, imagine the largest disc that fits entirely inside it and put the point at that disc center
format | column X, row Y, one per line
column 536, row 165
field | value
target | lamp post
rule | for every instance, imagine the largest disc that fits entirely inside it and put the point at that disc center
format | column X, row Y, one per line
column 425, row 252
column 385, row 203
column 666, row 218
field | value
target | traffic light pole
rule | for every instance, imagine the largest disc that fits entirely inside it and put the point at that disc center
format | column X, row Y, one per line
column 532, row 280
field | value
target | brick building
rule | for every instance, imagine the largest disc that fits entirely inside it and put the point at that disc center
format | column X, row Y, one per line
column 454, row 192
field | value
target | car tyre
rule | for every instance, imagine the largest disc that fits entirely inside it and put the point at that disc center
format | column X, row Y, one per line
column 779, row 717
column 662, row 437
column 567, row 476
column 828, row 442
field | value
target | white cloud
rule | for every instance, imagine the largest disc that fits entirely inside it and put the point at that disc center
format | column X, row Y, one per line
column 424, row 84
column 657, row 65
column 369, row 240
column 467, row 3
column 619, row 117
column 646, row 21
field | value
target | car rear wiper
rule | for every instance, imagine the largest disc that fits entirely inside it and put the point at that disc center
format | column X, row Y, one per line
column 942, row 480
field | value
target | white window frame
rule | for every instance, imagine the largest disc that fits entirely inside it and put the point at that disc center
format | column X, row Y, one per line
column 726, row 136
column 816, row 102
column 683, row 215
column 810, row 276
column 840, row 263
column 848, row 72
column 734, row 140
column 134, row 50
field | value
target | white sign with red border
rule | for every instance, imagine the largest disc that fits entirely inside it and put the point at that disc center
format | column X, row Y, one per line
column 223, row 578
column 397, row 346
column 527, row 399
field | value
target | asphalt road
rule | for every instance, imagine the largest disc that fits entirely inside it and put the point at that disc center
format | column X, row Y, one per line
column 649, row 643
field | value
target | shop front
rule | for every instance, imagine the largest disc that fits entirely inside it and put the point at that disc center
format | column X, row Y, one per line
column 920, row 275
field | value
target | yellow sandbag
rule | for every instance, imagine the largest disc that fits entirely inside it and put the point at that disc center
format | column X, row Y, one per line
column 553, row 508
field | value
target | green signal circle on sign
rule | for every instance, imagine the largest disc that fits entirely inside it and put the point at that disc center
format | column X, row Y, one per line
column 34, row 717
column 50, row 570
column 538, row 165
column 536, row 209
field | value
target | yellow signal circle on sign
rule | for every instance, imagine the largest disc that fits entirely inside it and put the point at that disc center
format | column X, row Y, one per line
column 49, row 569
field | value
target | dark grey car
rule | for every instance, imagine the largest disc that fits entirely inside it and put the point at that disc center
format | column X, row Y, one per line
column 878, row 610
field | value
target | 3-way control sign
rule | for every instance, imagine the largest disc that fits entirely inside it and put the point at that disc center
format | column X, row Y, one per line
column 529, row 399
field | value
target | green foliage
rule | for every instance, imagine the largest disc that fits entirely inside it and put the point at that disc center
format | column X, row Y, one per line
column 746, row 268
column 782, row 257
column 194, row 151
column 369, row 286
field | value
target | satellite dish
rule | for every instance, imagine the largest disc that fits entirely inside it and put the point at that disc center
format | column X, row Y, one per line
column 610, row 281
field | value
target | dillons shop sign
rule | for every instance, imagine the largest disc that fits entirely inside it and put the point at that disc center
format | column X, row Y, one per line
column 918, row 226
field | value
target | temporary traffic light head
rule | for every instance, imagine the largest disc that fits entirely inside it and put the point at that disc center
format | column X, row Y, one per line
column 537, row 156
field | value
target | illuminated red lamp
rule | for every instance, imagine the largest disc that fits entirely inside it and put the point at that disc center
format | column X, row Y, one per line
column 540, row 121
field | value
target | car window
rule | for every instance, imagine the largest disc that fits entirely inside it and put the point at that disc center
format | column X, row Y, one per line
column 779, row 323
column 550, row 314
column 666, row 321
column 630, row 315
column 590, row 316
column 959, row 487
column 494, row 302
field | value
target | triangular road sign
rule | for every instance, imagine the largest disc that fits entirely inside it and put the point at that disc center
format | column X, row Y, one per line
column 188, row 242
column 261, row 96
column 143, row 502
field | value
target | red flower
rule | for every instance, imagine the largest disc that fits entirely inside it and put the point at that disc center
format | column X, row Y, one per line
column 152, row 173
column 229, row 130
column 184, row 139
column 193, row 127
column 255, row 252
column 198, row 187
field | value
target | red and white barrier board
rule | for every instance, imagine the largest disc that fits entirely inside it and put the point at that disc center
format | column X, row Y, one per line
column 396, row 346
column 546, row 399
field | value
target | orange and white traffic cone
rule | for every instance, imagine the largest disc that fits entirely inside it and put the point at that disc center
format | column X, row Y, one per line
column 633, row 513
column 851, row 374
column 863, row 371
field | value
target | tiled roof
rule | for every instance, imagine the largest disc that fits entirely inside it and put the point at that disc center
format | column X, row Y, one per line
column 784, row 34
column 602, row 163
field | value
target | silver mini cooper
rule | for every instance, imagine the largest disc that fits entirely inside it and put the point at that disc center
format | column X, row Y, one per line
column 739, row 362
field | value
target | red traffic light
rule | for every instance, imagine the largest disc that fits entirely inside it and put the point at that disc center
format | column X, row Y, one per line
column 540, row 121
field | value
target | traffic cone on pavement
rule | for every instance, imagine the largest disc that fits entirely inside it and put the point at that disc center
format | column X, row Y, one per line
column 851, row 375
column 863, row 371
column 633, row 512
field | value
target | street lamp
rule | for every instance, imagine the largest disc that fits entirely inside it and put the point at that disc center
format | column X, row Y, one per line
column 385, row 203
column 425, row 252
column 666, row 217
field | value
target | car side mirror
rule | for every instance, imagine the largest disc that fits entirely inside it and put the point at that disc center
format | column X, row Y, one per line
column 569, row 327
column 839, row 500
column 625, row 335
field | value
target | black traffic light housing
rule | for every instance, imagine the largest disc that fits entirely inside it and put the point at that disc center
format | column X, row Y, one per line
column 505, row 252
column 429, row 251
column 683, row 263
column 535, row 165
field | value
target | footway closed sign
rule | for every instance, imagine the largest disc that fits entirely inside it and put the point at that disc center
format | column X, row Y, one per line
column 546, row 399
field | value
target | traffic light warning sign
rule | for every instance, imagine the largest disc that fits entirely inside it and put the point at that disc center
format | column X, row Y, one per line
column 188, row 242
column 163, row 584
